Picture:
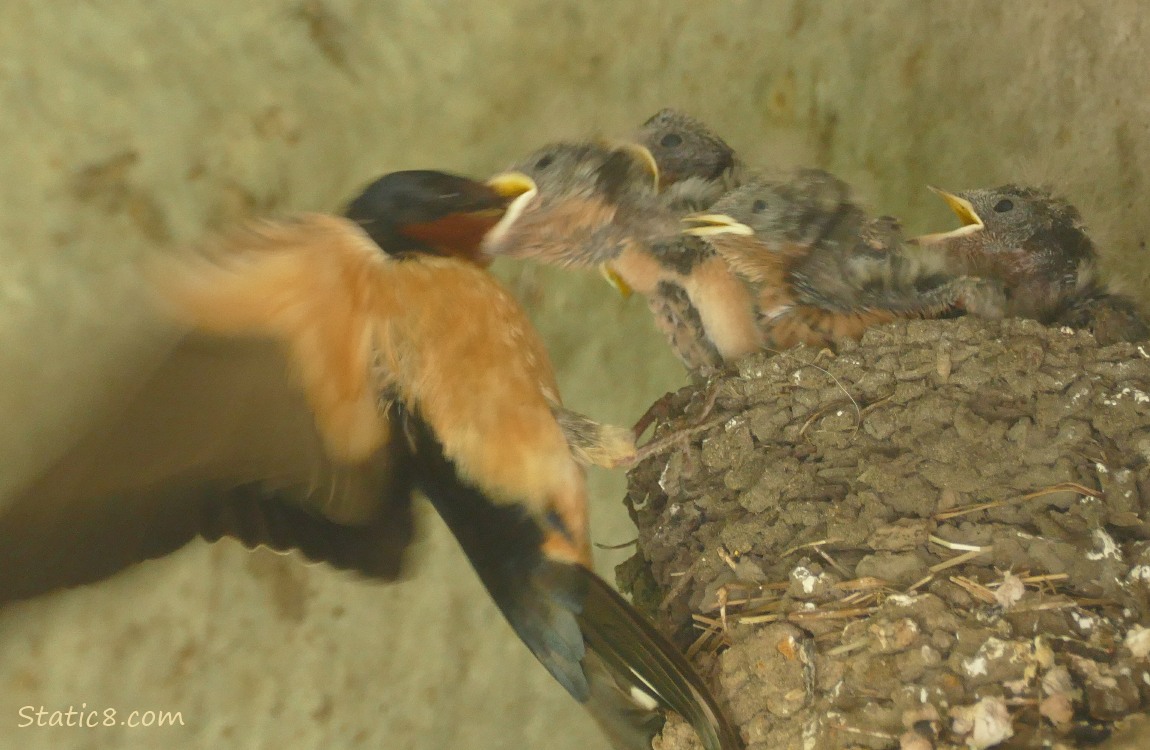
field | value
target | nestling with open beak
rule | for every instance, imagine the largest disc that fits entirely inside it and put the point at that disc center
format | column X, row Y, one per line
column 696, row 166
column 821, row 270
column 587, row 204
column 1035, row 243
column 597, row 205
column 312, row 384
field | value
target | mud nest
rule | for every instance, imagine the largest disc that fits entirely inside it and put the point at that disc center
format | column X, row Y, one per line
column 933, row 539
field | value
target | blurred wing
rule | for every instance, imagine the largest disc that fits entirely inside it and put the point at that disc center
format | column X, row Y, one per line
column 217, row 438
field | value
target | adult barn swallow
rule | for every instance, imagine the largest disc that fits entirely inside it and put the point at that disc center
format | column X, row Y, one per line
column 1037, row 245
column 696, row 166
column 597, row 205
column 313, row 383
column 821, row 269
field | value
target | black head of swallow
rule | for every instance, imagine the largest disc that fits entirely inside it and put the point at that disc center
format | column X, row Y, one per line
column 425, row 211
column 684, row 147
column 1017, row 233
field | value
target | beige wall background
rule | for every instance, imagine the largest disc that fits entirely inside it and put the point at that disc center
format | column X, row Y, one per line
column 130, row 125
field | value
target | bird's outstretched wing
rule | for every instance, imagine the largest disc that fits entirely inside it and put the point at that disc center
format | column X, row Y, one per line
column 259, row 403
column 216, row 423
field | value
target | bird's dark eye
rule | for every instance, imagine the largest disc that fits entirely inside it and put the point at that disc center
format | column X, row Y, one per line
column 1003, row 206
column 759, row 206
column 671, row 140
column 544, row 162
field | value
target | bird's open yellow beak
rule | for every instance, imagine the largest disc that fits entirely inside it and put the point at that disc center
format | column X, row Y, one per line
column 965, row 213
column 644, row 157
column 520, row 190
column 704, row 225
column 961, row 207
column 511, row 185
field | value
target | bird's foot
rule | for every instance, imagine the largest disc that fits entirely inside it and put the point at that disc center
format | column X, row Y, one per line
column 679, row 437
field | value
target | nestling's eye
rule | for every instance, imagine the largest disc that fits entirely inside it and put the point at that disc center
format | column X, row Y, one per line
column 1003, row 206
column 671, row 140
column 544, row 162
column 759, row 206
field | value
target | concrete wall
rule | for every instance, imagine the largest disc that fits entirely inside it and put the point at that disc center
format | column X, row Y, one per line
column 129, row 125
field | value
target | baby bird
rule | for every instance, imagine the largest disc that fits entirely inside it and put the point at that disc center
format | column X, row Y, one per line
column 1036, row 244
column 598, row 205
column 696, row 166
column 821, row 270
column 588, row 204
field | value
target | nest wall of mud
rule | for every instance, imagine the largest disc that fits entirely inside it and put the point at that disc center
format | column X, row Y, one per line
column 935, row 538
